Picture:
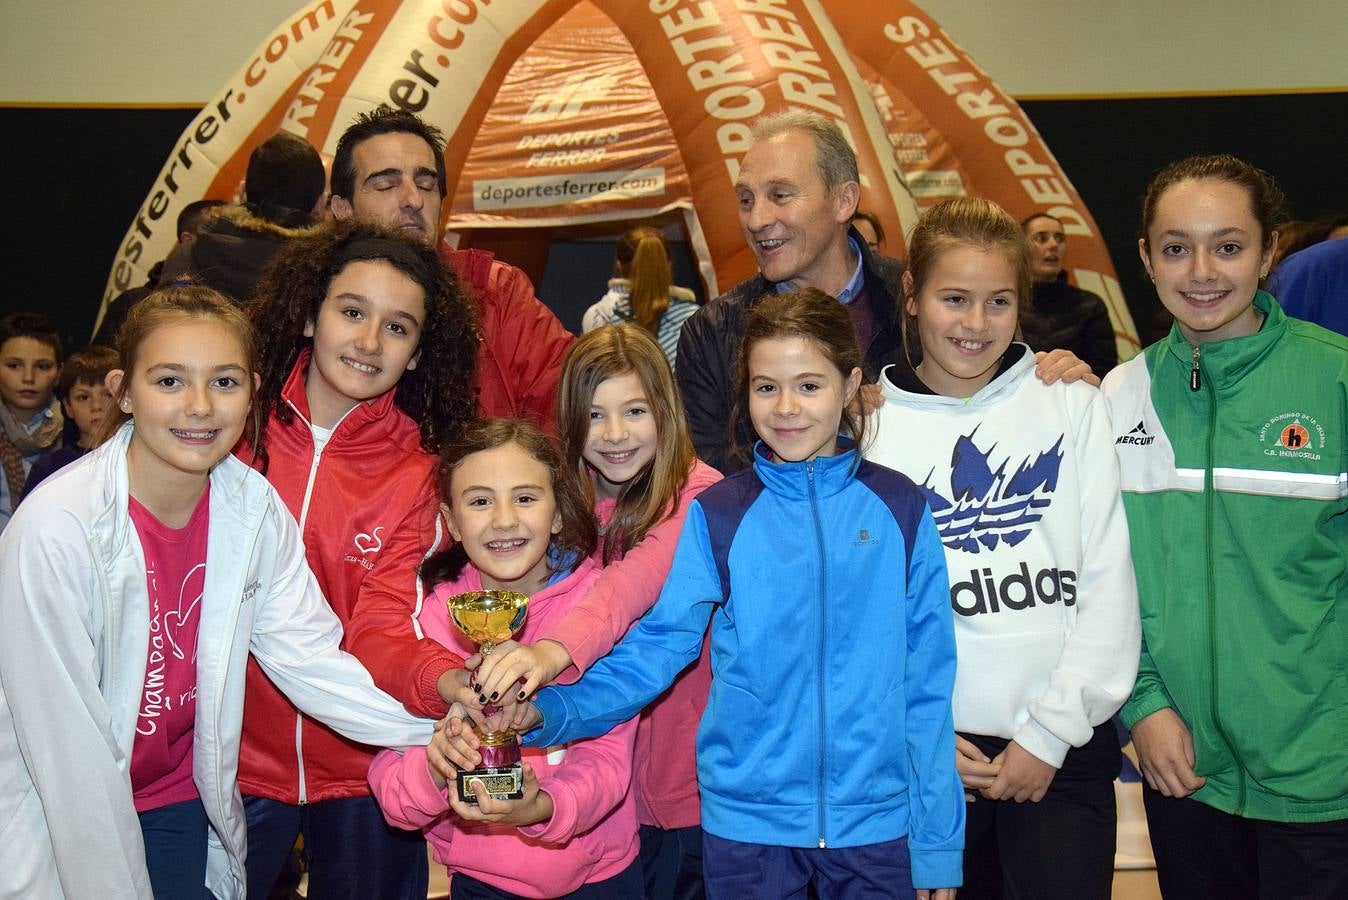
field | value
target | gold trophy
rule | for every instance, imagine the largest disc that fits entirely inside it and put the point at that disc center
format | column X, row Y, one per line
column 487, row 618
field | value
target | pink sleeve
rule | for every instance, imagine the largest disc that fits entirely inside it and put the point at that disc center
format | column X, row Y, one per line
column 589, row 784
column 402, row 784
column 628, row 587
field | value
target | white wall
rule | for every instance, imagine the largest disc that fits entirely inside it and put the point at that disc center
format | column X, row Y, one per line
column 181, row 51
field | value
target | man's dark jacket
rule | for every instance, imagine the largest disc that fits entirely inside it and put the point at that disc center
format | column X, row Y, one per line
column 709, row 349
column 1068, row 317
column 230, row 253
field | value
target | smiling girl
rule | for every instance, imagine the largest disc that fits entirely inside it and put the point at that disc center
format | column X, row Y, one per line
column 1231, row 442
column 627, row 452
column 133, row 595
column 367, row 370
column 818, row 572
column 1023, row 484
column 521, row 526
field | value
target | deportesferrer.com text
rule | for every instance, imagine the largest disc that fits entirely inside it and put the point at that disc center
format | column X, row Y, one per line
column 558, row 190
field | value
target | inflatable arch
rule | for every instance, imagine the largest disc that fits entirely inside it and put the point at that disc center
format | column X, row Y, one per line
column 562, row 112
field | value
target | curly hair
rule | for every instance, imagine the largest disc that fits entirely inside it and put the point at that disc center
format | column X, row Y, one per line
column 440, row 394
column 576, row 540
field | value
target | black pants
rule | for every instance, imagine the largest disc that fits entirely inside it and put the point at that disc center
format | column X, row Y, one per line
column 352, row 852
column 1061, row 848
column 671, row 863
column 1205, row 854
column 626, row 885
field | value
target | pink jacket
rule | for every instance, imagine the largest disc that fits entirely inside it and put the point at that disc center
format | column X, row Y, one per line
column 666, row 743
column 592, row 834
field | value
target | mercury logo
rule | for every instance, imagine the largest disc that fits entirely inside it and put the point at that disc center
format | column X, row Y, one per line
column 1137, row 436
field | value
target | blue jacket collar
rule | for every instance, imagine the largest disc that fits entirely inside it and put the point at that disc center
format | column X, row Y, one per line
column 829, row 474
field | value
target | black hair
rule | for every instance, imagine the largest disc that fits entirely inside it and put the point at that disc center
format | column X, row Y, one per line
column 285, row 176
column 383, row 119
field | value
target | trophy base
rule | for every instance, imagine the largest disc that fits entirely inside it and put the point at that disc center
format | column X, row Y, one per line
column 501, row 782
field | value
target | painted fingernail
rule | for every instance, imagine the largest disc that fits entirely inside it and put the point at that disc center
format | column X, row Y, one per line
column 481, row 699
column 495, row 694
column 477, row 687
column 520, row 695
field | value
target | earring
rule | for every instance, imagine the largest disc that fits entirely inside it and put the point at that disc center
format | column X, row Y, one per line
column 126, row 405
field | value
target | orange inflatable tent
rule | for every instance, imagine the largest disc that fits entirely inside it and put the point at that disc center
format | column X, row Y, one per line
column 562, row 113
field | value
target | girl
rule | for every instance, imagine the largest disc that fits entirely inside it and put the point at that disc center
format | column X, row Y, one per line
column 796, row 561
column 1233, row 427
column 133, row 594
column 520, row 526
column 367, row 371
column 1022, row 480
column 627, row 450
column 643, row 291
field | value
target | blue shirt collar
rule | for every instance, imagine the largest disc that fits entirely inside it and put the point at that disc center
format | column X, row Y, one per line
column 853, row 287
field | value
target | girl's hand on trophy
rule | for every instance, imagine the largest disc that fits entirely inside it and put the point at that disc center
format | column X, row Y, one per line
column 514, row 671
column 453, row 747
column 517, row 717
column 535, row 806
column 454, row 687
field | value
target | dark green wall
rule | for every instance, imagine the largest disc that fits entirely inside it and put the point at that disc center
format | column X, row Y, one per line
column 77, row 176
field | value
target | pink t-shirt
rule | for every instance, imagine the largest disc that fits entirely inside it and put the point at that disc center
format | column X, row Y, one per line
column 175, row 575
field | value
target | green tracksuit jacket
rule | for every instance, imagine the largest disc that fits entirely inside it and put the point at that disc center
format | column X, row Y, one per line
column 1234, row 485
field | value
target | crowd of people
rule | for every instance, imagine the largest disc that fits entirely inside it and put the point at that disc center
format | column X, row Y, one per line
column 837, row 584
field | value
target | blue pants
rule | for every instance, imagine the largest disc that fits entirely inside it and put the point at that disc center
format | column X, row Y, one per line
column 352, row 852
column 671, row 863
column 737, row 871
column 175, row 849
column 626, row 885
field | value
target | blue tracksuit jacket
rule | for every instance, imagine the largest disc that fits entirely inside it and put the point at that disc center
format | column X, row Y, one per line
column 833, row 662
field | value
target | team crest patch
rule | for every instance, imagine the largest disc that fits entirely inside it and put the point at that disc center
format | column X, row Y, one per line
column 1293, row 435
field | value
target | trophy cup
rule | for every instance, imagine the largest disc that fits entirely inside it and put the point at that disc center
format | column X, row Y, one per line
column 486, row 618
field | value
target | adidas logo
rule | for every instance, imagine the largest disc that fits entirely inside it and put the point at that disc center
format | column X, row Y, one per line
column 1137, row 436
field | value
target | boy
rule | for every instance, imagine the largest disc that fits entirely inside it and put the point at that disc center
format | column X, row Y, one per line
column 30, row 418
column 85, row 400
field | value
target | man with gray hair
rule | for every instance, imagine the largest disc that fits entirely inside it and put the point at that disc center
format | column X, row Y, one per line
column 798, row 187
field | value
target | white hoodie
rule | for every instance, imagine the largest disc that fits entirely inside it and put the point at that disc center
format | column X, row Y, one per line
column 1024, row 486
column 74, row 634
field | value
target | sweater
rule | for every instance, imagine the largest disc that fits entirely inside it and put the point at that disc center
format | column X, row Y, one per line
column 592, row 834
column 1237, row 498
column 1036, row 543
column 817, row 577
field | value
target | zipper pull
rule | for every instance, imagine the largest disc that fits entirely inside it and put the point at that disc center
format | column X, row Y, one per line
column 1195, row 376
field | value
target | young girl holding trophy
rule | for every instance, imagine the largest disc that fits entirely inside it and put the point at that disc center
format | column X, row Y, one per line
column 626, row 448
column 820, row 573
column 520, row 528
